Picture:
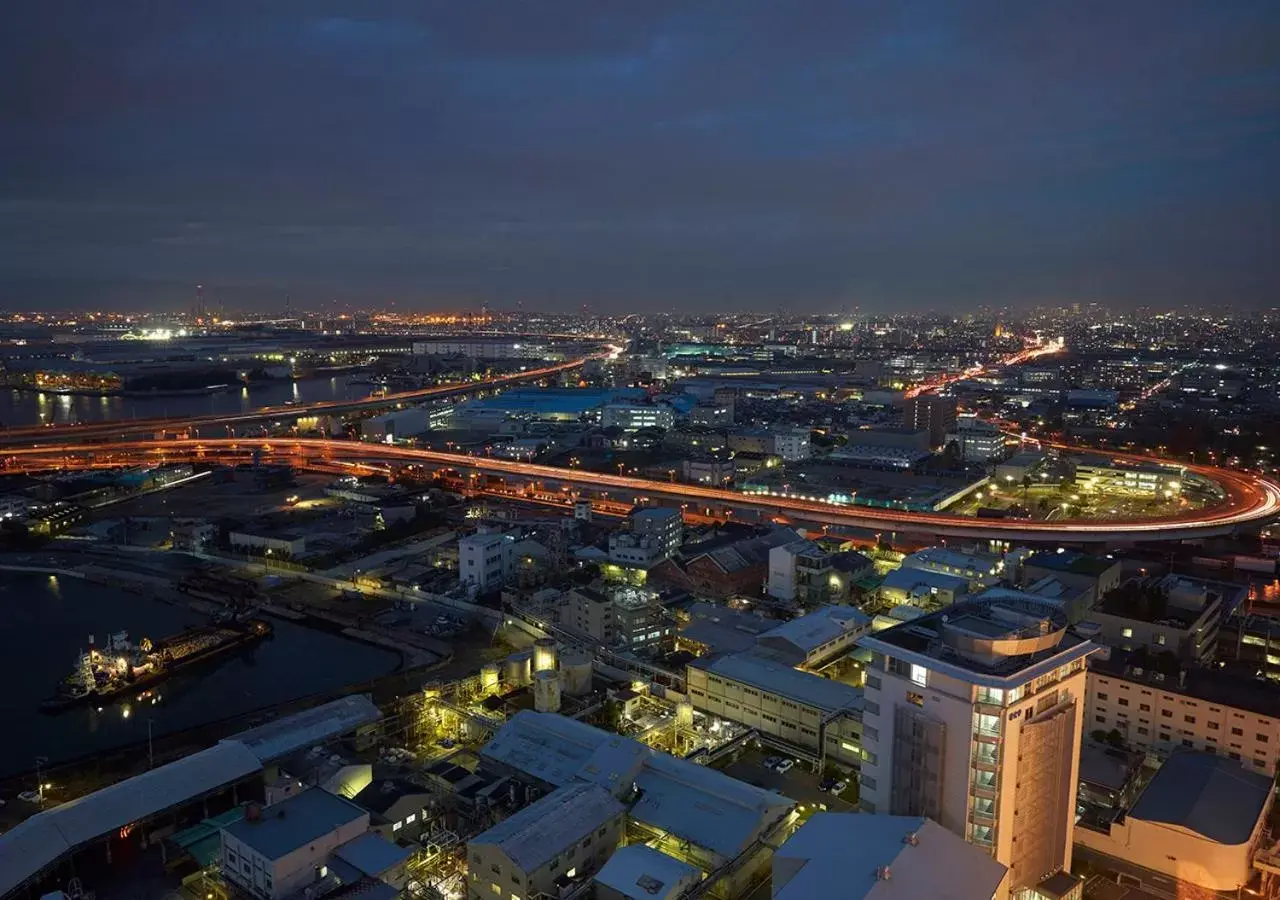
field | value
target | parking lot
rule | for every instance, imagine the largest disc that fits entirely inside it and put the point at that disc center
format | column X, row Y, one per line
column 800, row 784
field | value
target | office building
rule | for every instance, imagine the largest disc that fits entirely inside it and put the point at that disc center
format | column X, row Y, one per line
column 1162, row 707
column 1097, row 574
column 931, row 413
column 977, row 440
column 1104, row 474
column 973, row 717
column 634, row 416
column 881, row 857
column 1172, row 614
column 485, row 560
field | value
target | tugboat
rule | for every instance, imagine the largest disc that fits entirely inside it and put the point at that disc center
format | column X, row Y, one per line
column 121, row 667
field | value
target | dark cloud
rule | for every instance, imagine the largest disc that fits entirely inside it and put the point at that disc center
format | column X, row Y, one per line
column 717, row 155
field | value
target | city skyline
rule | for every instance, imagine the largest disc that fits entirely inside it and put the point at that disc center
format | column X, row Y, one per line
column 659, row 159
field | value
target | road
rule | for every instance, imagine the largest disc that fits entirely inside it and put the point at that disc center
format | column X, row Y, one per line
column 50, row 434
column 1249, row 499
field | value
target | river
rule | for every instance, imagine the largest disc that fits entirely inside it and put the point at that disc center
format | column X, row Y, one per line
column 47, row 621
column 34, row 408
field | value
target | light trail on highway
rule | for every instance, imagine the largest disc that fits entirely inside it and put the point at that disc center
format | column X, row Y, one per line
column 1249, row 499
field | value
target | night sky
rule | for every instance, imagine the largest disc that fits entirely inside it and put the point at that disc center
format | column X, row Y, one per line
column 640, row 156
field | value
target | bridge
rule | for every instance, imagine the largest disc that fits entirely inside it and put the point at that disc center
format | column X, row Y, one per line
column 1249, row 500
column 51, row 434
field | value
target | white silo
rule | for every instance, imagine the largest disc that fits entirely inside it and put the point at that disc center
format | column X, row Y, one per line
column 490, row 674
column 684, row 714
column 546, row 692
column 575, row 673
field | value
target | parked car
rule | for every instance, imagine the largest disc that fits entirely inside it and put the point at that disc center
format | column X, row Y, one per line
column 785, row 766
column 839, row 787
column 29, row 796
column 772, row 762
column 827, row 784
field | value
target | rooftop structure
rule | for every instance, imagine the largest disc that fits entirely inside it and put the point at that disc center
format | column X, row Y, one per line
column 638, row 872
column 880, row 857
column 989, row 638
column 720, row 629
column 294, row 822
column 542, row 830
column 42, row 840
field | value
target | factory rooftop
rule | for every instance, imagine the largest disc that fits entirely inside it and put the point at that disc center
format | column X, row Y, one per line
column 545, row 828
column 42, row 840
column 638, row 872
column 317, row 725
column 881, row 857
column 909, row 579
column 778, row 678
column 1209, row 795
column 724, row 630
column 701, row 805
column 283, row 827
column 825, row 624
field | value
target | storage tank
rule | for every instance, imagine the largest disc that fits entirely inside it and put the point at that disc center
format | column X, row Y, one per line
column 546, row 692
column 684, row 714
column 490, row 673
column 575, row 673
column 515, row 669
column 544, row 655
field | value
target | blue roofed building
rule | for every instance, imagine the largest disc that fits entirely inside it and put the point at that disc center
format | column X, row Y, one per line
column 638, row 872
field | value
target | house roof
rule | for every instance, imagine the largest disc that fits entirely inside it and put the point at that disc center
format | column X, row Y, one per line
column 638, row 872
column 372, row 854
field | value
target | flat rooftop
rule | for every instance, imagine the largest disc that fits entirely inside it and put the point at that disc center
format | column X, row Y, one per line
column 1071, row 561
column 999, row 620
column 285, row 826
column 1224, row 687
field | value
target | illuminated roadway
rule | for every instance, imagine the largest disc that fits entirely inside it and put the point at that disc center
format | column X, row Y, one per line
column 1248, row 499
column 48, row 434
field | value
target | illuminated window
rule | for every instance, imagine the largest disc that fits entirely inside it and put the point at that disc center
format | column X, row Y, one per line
column 919, row 675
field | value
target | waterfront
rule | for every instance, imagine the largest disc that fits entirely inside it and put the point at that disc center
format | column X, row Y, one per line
column 47, row 622
column 19, row 408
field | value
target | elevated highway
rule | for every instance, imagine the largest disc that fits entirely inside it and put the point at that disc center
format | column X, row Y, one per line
column 1249, row 500
column 112, row 430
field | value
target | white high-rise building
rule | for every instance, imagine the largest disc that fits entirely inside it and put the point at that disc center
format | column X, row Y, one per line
column 973, row 717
